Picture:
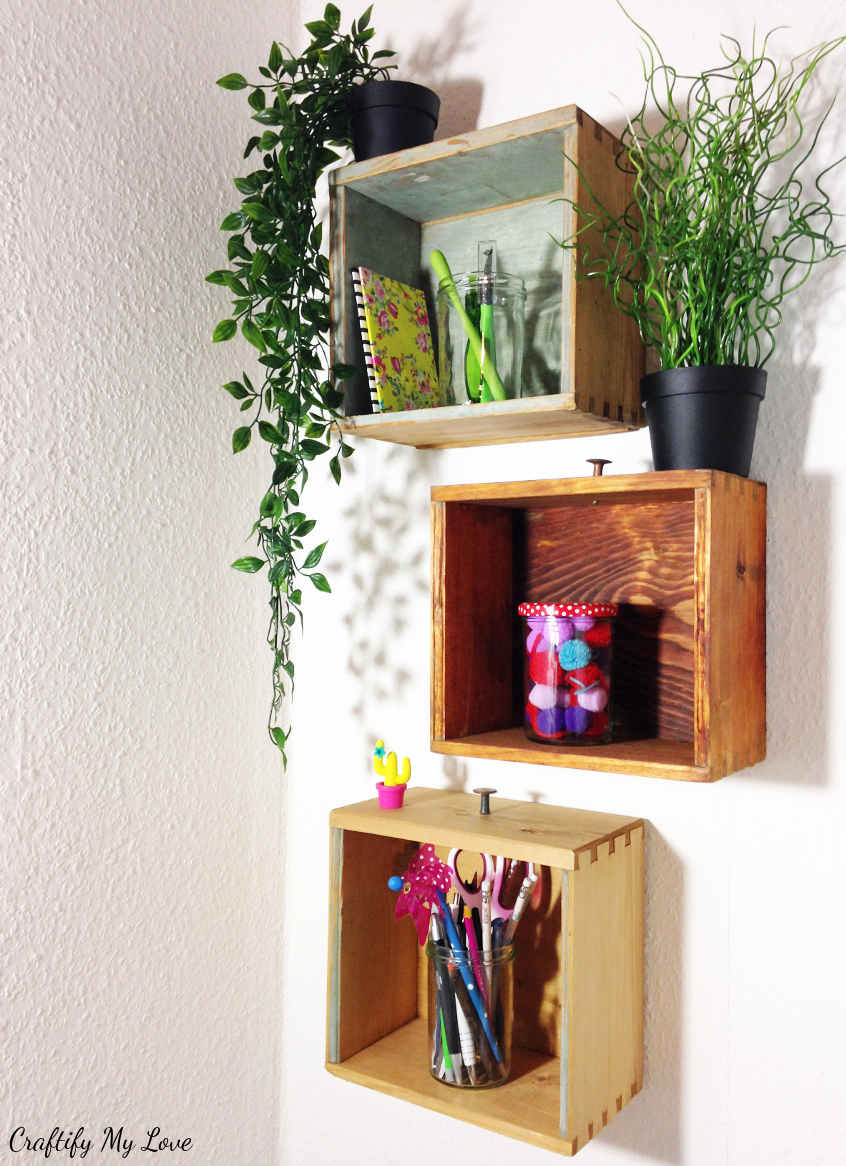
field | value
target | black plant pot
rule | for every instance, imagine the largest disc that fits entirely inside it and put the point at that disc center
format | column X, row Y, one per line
column 703, row 418
column 391, row 115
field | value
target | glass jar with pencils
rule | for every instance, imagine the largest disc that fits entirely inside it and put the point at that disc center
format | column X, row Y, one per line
column 471, row 1010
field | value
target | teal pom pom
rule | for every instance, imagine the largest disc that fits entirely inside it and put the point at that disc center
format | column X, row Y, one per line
column 574, row 654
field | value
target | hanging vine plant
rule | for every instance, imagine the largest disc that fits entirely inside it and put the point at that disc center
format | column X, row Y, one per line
column 280, row 283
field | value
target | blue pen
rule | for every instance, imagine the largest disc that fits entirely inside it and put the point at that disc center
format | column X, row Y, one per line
column 463, row 962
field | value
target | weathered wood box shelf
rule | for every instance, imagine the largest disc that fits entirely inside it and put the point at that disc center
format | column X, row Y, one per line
column 578, row 1034
column 501, row 183
column 683, row 552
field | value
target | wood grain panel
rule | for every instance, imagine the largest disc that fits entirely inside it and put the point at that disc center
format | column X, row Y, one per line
column 641, row 557
column 377, row 959
column 472, row 601
column 606, row 351
column 549, row 835
column 734, row 628
column 650, row 757
column 604, row 984
column 525, row 1108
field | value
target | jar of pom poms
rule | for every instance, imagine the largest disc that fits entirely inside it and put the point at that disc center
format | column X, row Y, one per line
column 567, row 669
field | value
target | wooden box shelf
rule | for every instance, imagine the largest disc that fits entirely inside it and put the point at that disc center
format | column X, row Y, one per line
column 578, row 1033
column 683, row 552
column 583, row 357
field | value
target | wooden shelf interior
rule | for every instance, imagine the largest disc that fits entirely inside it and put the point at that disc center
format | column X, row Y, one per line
column 502, row 183
column 645, row 542
column 578, row 1004
column 527, row 1108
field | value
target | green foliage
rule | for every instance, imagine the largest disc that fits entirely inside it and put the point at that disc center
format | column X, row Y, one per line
column 724, row 221
column 280, row 282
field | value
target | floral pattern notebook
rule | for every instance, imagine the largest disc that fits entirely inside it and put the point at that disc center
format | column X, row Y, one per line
column 402, row 360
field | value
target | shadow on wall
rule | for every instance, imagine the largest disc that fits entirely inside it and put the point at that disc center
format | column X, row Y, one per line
column 430, row 64
column 799, row 531
column 389, row 568
column 651, row 1124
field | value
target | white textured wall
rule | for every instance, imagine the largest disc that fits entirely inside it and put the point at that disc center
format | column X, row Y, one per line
column 141, row 864
column 142, row 858
column 745, row 1015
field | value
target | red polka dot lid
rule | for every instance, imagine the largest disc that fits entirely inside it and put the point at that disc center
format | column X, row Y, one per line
column 596, row 610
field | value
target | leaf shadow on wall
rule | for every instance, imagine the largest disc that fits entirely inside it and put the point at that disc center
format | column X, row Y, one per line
column 650, row 1125
column 430, row 64
column 388, row 566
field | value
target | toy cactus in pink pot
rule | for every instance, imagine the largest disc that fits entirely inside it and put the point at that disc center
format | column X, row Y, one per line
column 391, row 789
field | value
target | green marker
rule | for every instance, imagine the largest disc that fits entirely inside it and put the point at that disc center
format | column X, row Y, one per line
column 444, row 1045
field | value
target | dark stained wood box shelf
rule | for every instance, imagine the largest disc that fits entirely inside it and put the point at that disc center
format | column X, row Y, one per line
column 578, row 1030
column 683, row 552
column 583, row 357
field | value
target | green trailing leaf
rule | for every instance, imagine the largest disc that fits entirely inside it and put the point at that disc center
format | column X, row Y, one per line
column 241, row 437
column 260, row 264
column 311, row 448
column 314, row 556
column 258, row 212
column 269, row 432
column 279, row 285
column 253, row 334
column 232, row 81
column 249, row 564
column 225, row 330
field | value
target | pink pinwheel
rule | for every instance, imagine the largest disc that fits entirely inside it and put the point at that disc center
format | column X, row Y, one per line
column 426, row 874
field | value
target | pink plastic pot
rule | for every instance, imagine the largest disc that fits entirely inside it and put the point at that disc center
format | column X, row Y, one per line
column 390, row 796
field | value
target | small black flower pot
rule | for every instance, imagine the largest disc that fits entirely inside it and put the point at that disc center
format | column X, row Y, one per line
column 703, row 418
column 388, row 116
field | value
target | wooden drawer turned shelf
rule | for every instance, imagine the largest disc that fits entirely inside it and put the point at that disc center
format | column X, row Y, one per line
column 578, row 1030
column 683, row 552
column 583, row 357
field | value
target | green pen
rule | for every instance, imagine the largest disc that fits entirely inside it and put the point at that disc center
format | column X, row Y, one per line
column 486, row 327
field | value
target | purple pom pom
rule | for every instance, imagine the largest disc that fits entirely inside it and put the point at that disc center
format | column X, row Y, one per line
column 576, row 720
column 550, row 722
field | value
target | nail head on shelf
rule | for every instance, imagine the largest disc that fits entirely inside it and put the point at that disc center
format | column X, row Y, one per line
column 484, row 793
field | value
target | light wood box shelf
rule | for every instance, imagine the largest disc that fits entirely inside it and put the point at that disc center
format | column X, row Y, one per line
column 683, row 552
column 388, row 213
column 578, row 1033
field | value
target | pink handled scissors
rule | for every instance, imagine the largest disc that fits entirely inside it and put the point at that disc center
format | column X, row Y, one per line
column 494, row 871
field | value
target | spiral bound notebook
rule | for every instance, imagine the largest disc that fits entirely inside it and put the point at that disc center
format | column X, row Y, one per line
column 397, row 340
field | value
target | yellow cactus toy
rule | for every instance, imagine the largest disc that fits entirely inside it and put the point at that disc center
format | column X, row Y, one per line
column 386, row 767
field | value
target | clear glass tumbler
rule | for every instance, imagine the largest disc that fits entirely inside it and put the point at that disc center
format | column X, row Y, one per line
column 496, row 306
column 567, row 671
column 471, row 1010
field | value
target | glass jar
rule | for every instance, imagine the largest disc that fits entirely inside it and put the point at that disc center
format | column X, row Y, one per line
column 567, row 670
column 470, row 1044
column 496, row 305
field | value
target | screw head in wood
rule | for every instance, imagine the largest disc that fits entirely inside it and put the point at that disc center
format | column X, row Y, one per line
column 484, row 793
